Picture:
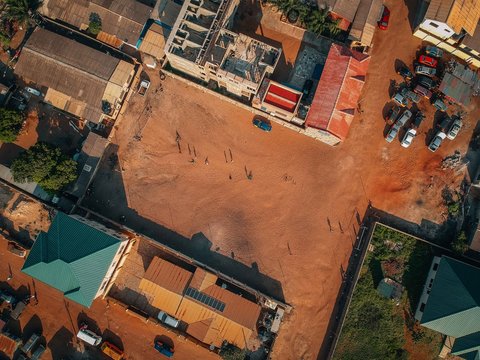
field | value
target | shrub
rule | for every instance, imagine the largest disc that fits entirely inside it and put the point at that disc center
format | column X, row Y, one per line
column 10, row 124
column 460, row 245
column 95, row 25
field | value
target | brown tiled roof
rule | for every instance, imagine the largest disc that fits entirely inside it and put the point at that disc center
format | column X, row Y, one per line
column 123, row 18
column 71, row 68
column 344, row 8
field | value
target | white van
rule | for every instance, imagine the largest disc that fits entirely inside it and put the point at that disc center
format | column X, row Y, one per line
column 167, row 319
column 89, row 337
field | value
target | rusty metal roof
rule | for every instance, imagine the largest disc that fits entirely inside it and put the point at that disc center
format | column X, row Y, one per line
column 458, row 14
column 168, row 275
column 338, row 91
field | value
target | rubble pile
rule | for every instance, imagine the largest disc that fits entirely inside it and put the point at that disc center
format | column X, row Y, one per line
column 452, row 161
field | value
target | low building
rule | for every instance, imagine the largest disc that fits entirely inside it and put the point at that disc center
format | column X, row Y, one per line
column 153, row 44
column 200, row 45
column 278, row 100
column 459, row 83
column 364, row 24
column 337, row 95
column 79, row 257
column 343, row 10
column 78, row 79
column 452, row 26
column 88, row 160
column 214, row 313
column 122, row 20
column 450, row 304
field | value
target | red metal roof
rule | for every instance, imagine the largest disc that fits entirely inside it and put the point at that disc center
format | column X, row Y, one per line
column 338, row 91
column 282, row 98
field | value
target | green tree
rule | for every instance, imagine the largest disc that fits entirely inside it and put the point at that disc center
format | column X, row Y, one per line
column 95, row 25
column 45, row 165
column 21, row 11
column 317, row 21
column 10, row 124
column 460, row 245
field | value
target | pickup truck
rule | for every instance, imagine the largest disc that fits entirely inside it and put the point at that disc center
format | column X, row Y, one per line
column 143, row 87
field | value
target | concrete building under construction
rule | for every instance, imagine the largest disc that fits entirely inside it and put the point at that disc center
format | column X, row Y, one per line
column 201, row 45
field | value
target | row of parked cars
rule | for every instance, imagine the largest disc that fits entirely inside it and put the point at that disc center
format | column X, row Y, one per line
column 421, row 83
column 448, row 128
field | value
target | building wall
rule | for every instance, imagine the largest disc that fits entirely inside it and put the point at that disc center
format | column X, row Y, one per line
column 427, row 287
column 470, row 56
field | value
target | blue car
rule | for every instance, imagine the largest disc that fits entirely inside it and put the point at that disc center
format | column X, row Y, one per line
column 262, row 124
column 163, row 348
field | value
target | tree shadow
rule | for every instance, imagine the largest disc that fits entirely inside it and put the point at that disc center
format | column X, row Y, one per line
column 375, row 268
column 61, row 344
column 33, row 326
column 83, row 318
column 113, row 338
column 416, row 12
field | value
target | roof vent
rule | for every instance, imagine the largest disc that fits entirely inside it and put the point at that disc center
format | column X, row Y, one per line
column 87, row 168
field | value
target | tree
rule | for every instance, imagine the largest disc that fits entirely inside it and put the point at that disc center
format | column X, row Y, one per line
column 230, row 352
column 45, row 165
column 10, row 124
column 95, row 25
column 317, row 21
column 459, row 245
column 21, row 11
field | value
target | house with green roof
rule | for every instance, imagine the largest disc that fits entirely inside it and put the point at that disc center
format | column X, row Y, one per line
column 78, row 257
column 450, row 304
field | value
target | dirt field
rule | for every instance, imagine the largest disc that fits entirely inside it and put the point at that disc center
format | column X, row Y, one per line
column 294, row 221
column 57, row 320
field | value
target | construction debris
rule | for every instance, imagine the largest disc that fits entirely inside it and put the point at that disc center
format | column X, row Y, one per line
column 455, row 161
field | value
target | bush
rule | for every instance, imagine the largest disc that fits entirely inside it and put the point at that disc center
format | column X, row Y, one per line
column 45, row 165
column 95, row 25
column 10, row 124
column 460, row 245
column 231, row 352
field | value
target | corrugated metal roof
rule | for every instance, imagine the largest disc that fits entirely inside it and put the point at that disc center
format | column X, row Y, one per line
column 453, row 307
column 338, row 91
column 466, row 344
column 8, row 345
column 458, row 14
column 473, row 41
column 72, row 257
column 122, row 18
column 439, row 10
column 154, row 41
column 365, row 22
column 168, row 275
column 234, row 324
column 346, row 9
column 456, row 89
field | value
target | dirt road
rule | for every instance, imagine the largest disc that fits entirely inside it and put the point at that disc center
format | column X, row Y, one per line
column 294, row 220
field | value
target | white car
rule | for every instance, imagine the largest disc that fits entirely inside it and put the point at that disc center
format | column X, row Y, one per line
column 167, row 319
column 454, row 129
column 33, row 91
column 408, row 138
column 436, row 141
column 425, row 70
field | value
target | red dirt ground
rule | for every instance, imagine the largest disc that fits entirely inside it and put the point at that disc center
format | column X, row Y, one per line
column 280, row 219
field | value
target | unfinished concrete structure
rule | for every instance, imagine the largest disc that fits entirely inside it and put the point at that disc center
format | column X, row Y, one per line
column 201, row 45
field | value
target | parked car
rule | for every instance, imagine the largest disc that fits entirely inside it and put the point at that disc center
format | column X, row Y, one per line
column 405, row 73
column 408, row 137
column 436, row 141
column 392, row 114
column 16, row 249
column 88, row 336
column 433, row 51
column 37, row 354
column 417, row 120
column 420, row 90
column 17, row 311
column 454, row 129
column 383, row 22
column 33, row 91
column 402, row 120
column 400, row 98
column 30, row 344
column 143, row 87
column 167, row 319
column 439, row 104
column 111, row 351
column 425, row 70
column 427, row 60
column 262, row 124
column 426, row 82
column 413, row 96
column 163, row 348
column 7, row 297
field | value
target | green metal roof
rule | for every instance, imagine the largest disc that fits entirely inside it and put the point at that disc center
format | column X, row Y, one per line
column 72, row 257
column 453, row 307
column 467, row 344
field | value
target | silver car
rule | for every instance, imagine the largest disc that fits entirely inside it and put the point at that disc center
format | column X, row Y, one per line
column 425, row 70
column 454, row 129
column 436, row 141
column 402, row 120
column 400, row 99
